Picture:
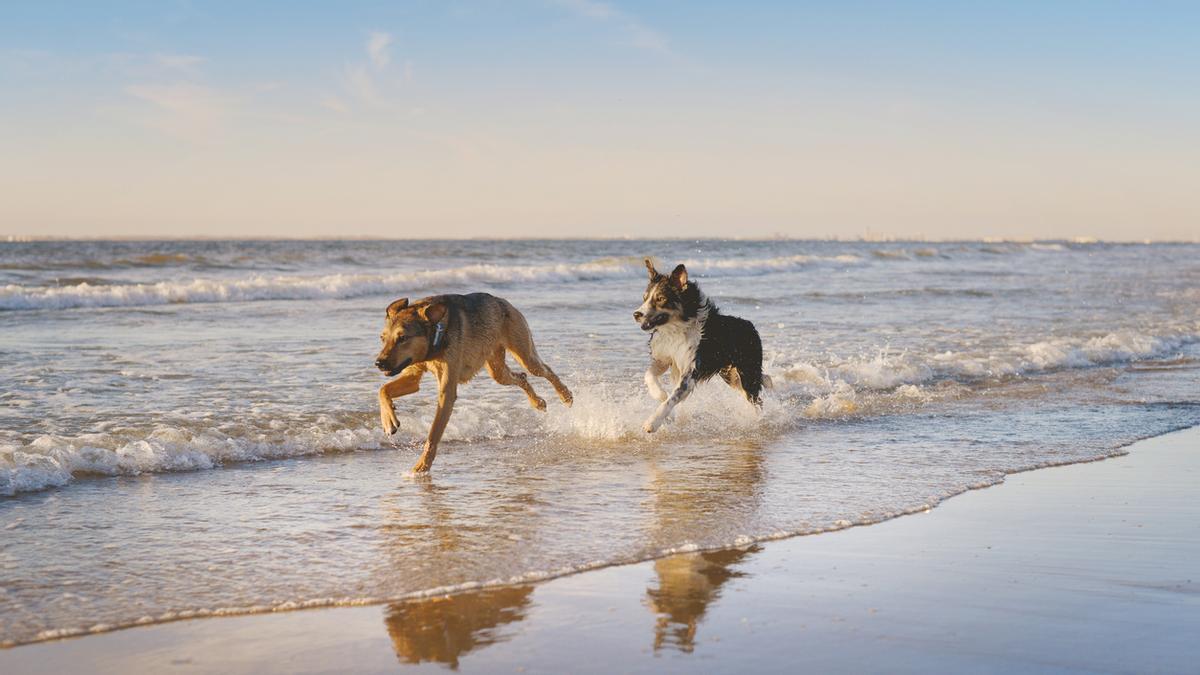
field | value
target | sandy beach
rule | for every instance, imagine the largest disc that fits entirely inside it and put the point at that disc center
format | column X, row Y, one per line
column 1083, row 568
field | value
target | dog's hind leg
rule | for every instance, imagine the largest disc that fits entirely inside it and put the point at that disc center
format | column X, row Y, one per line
column 750, row 381
column 408, row 383
column 519, row 341
column 500, row 372
column 537, row 367
column 731, row 377
column 749, row 368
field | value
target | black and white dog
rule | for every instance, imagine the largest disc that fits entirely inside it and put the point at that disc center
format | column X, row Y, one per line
column 696, row 341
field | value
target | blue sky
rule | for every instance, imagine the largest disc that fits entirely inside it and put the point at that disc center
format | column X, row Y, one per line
column 586, row 118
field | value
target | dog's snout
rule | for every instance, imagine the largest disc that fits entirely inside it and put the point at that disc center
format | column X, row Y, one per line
column 380, row 363
column 637, row 316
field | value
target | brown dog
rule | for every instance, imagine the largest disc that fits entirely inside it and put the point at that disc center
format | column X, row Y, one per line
column 453, row 336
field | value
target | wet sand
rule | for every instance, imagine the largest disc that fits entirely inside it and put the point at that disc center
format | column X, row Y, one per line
column 1085, row 568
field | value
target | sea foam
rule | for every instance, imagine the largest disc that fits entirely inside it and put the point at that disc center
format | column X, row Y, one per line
column 805, row 388
column 342, row 286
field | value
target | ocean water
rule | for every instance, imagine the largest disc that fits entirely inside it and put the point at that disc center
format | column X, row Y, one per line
column 190, row 428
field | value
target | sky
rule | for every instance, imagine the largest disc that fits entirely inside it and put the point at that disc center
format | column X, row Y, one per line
column 582, row 118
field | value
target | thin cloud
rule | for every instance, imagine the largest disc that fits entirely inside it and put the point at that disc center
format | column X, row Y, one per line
column 335, row 104
column 148, row 65
column 639, row 34
column 360, row 84
column 182, row 109
column 378, row 44
column 185, row 62
column 361, row 81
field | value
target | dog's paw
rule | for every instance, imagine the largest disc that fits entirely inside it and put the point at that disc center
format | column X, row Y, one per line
column 424, row 462
column 388, row 419
column 538, row 403
column 566, row 397
column 651, row 425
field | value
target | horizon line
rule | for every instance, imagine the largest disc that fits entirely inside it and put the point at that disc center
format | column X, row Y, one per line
column 868, row 239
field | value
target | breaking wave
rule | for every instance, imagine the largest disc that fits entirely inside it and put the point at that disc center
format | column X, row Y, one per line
column 831, row 387
column 137, row 261
column 845, row 386
column 53, row 461
column 342, row 286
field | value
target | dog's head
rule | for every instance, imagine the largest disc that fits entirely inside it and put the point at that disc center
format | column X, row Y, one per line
column 407, row 334
column 666, row 298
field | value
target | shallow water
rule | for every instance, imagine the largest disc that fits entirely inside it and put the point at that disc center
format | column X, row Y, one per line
column 188, row 428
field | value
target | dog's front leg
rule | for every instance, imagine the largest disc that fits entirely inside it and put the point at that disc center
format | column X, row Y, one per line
column 653, row 373
column 687, row 382
column 407, row 383
column 447, row 393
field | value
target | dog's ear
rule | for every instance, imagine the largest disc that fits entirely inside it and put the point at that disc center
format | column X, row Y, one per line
column 679, row 277
column 434, row 312
column 650, row 268
column 396, row 307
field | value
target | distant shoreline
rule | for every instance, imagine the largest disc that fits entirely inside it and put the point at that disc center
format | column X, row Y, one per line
column 1079, row 241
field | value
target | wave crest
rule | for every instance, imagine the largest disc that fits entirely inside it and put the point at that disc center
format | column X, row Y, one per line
column 833, row 387
column 342, row 286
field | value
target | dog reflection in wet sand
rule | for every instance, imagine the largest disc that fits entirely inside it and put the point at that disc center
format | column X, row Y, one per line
column 721, row 487
column 441, row 630
column 453, row 336
column 687, row 584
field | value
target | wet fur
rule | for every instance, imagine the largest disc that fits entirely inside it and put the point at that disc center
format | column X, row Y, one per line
column 695, row 341
column 479, row 330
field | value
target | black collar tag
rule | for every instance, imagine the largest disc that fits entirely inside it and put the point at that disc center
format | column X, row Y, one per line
column 439, row 332
column 439, row 337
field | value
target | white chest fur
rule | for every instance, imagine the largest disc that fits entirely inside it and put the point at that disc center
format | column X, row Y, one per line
column 676, row 342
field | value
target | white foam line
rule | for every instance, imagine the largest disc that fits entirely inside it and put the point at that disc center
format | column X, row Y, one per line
column 886, row 372
column 837, row 389
column 341, row 286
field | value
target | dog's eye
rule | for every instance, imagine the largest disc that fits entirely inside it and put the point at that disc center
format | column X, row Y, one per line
column 401, row 338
